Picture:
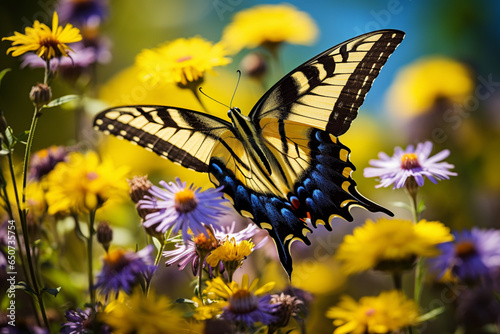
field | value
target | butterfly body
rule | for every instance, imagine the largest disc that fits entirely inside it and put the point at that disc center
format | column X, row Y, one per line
column 282, row 165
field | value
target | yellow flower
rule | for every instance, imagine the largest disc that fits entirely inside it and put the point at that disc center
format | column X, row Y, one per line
column 182, row 61
column 84, row 183
column 35, row 199
column 139, row 314
column 420, row 85
column 209, row 311
column 388, row 312
column 218, row 289
column 230, row 251
column 390, row 244
column 269, row 25
column 45, row 42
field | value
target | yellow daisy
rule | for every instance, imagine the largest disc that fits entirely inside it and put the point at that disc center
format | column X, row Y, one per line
column 143, row 315
column 390, row 244
column 182, row 61
column 45, row 42
column 209, row 311
column 232, row 254
column 388, row 312
column 269, row 25
column 83, row 183
column 420, row 85
column 218, row 289
column 230, row 251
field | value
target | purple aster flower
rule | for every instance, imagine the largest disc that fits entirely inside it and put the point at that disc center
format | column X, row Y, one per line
column 472, row 255
column 412, row 162
column 44, row 161
column 80, row 321
column 186, row 252
column 123, row 269
column 81, row 12
column 82, row 57
column 247, row 308
column 181, row 208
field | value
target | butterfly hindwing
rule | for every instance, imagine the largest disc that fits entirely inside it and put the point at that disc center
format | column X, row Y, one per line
column 326, row 91
column 184, row 136
column 323, row 188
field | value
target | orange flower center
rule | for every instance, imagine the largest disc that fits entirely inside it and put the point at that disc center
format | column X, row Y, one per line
column 409, row 161
column 242, row 301
column 203, row 243
column 116, row 258
column 465, row 249
column 185, row 201
column 185, row 58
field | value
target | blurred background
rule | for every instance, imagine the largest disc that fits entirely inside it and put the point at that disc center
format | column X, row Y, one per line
column 442, row 84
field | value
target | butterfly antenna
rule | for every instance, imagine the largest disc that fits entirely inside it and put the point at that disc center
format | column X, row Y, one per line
column 211, row 98
column 235, row 89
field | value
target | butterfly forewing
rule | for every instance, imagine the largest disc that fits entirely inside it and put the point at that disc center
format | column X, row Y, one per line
column 326, row 91
column 183, row 136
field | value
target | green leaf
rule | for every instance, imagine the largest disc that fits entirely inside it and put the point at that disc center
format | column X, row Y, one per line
column 10, row 139
column 157, row 244
column 23, row 286
column 3, row 73
column 61, row 100
column 431, row 314
column 421, row 207
column 23, row 137
column 53, row 292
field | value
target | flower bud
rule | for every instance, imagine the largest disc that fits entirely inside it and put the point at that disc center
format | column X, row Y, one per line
column 288, row 307
column 41, row 94
column 139, row 187
column 254, row 65
column 104, row 234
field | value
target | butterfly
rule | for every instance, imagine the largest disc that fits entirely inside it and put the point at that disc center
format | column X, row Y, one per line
column 282, row 165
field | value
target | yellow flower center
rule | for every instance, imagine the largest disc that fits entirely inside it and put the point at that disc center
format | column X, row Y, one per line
column 242, row 301
column 185, row 58
column 409, row 161
column 185, row 201
column 115, row 259
column 465, row 249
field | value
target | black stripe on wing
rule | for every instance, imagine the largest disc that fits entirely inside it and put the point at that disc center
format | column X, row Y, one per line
column 326, row 91
column 361, row 80
column 184, row 136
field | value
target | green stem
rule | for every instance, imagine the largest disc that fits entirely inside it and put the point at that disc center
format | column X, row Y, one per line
column 10, row 212
column 89, row 256
column 24, row 216
column 419, row 270
column 157, row 260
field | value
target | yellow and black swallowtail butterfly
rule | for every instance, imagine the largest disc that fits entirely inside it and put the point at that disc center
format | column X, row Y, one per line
column 283, row 163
